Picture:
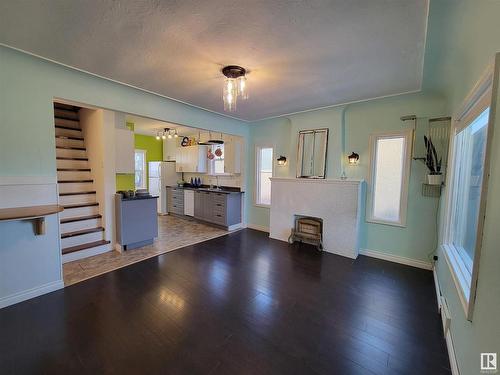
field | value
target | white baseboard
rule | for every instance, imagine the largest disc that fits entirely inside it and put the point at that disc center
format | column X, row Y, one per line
column 86, row 253
column 396, row 259
column 31, row 293
column 441, row 301
column 261, row 228
column 235, row 227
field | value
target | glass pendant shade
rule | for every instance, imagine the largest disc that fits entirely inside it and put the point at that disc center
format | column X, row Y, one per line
column 242, row 87
column 235, row 86
column 229, row 94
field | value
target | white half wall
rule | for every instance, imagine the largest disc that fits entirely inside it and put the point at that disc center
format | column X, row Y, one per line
column 338, row 202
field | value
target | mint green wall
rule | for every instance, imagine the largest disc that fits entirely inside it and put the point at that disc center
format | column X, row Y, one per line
column 464, row 37
column 273, row 133
column 418, row 239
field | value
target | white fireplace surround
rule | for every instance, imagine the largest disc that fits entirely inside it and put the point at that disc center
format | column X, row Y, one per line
column 338, row 202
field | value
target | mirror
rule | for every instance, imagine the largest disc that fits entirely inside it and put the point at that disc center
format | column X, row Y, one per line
column 311, row 153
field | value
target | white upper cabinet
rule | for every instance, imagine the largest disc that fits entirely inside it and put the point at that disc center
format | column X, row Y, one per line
column 191, row 159
column 232, row 157
column 124, row 151
column 170, row 149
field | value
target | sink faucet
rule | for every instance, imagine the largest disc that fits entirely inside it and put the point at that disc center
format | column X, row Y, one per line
column 217, row 180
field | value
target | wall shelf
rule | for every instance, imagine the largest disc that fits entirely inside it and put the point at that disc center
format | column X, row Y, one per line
column 36, row 213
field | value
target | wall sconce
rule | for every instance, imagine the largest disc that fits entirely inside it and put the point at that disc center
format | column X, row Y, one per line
column 353, row 159
column 282, row 161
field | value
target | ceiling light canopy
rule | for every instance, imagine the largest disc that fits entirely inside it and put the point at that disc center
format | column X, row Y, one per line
column 235, row 86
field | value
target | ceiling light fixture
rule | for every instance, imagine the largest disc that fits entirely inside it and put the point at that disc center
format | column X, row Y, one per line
column 235, row 86
column 167, row 133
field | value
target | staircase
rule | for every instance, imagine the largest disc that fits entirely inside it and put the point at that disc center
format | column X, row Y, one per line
column 82, row 233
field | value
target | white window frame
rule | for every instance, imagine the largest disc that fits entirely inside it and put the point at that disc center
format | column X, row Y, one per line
column 258, row 148
column 145, row 168
column 211, row 163
column 464, row 278
column 403, row 205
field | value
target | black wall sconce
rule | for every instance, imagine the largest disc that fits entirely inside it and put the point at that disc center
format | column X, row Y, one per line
column 353, row 159
column 281, row 160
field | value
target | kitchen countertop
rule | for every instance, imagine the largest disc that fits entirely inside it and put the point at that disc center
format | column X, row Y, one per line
column 140, row 198
column 223, row 190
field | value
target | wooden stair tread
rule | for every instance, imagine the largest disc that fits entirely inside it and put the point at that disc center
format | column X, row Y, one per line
column 73, row 169
column 70, row 158
column 68, row 137
column 67, row 128
column 78, row 205
column 80, row 218
column 82, row 232
column 72, row 148
column 66, row 107
column 84, row 246
column 74, row 181
column 77, row 193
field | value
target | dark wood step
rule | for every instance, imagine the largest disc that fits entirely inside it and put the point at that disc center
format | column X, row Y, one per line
column 62, row 117
column 72, row 148
column 80, row 218
column 79, row 205
column 66, row 137
column 73, row 181
column 69, row 158
column 67, row 128
column 84, row 246
column 77, row 193
column 72, row 123
column 73, row 169
column 81, row 232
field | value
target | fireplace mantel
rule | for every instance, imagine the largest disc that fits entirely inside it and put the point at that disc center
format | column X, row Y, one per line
column 340, row 203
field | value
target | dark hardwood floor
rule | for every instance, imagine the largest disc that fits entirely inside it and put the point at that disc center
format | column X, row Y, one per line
column 238, row 304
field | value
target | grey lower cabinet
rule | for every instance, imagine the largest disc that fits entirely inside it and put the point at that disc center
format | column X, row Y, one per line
column 217, row 208
column 136, row 221
column 175, row 200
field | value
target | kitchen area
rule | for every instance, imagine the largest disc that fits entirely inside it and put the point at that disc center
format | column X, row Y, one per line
column 165, row 187
column 133, row 188
column 196, row 176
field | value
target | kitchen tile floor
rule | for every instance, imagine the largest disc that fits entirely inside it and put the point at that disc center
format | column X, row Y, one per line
column 173, row 233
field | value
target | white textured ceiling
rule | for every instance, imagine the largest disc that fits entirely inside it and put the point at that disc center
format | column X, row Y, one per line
column 301, row 54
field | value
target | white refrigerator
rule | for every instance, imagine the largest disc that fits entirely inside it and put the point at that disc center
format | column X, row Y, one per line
column 161, row 175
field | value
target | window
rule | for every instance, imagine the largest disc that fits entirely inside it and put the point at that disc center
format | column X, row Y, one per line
column 465, row 200
column 264, row 171
column 140, row 169
column 218, row 161
column 390, row 171
column 470, row 148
